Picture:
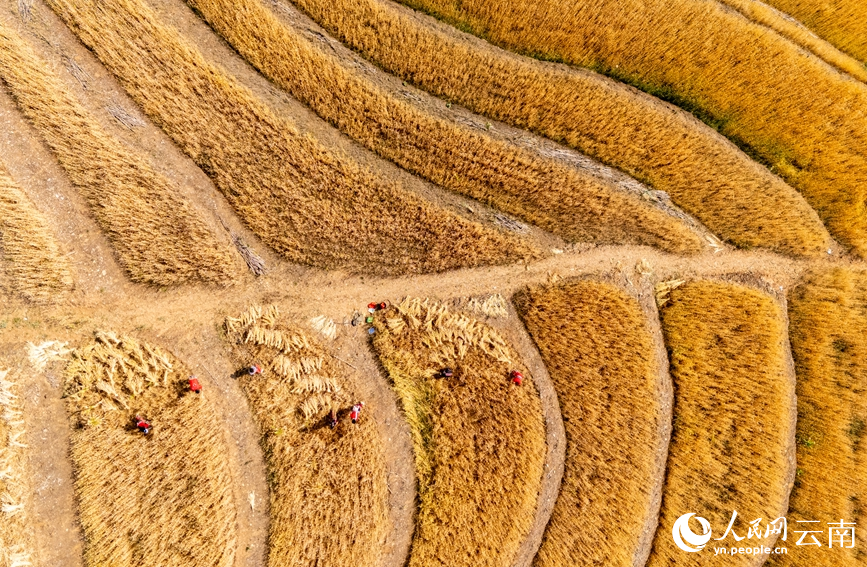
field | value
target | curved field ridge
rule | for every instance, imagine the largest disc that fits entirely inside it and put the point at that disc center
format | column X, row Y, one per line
column 793, row 30
column 732, row 443
column 329, row 497
column 794, row 112
column 30, row 259
column 600, row 354
column 157, row 236
column 576, row 203
column 16, row 531
column 664, row 147
column 828, row 314
column 841, row 22
column 163, row 499
column 479, row 441
column 313, row 206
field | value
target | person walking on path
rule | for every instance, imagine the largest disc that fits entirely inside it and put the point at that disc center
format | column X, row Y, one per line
column 195, row 385
column 355, row 412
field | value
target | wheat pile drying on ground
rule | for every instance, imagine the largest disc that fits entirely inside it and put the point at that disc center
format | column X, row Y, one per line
column 158, row 237
column 313, row 205
column 791, row 110
column 329, row 498
column 828, row 326
column 599, row 352
column 31, row 262
column 479, row 441
column 573, row 202
column 795, row 31
column 734, row 407
column 164, row 498
column 705, row 175
column 841, row 22
column 16, row 531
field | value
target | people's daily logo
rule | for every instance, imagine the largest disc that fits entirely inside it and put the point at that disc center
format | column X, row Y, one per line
column 688, row 540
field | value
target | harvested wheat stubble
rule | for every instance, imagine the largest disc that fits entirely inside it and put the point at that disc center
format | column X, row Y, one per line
column 734, row 407
column 575, row 203
column 801, row 117
column 162, row 499
column 313, row 205
column 599, row 352
column 793, row 30
column 329, row 498
column 479, row 441
column 33, row 264
column 841, row 22
column 828, row 330
column 706, row 175
column 157, row 236
column 16, row 532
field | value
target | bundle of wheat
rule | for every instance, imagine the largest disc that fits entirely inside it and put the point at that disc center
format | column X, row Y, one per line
column 32, row 260
column 162, row 499
column 158, row 236
column 491, row 306
column 325, row 326
column 479, row 442
column 16, row 531
column 314, row 204
column 328, row 488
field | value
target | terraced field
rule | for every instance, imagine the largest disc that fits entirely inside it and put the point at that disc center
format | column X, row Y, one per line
column 485, row 285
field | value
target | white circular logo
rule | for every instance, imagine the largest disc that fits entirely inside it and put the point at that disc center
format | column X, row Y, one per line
column 684, row 537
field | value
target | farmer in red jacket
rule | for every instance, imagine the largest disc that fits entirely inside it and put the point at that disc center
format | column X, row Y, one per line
column 195, row 386
column 143, row 425
column 517, row 377
column 356, row 411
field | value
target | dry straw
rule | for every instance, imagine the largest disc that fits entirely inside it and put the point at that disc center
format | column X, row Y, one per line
column 841, row 22
column 313, row 205
column 16, row 530
column 32, row 262
column 329, row 497
column 163, row 499
column 828, row 314
column 794, row 112
column 734, row 407
column 599, row 352
column 668, row 149
column 158, row 237
column 578, row 203
column 479, row 441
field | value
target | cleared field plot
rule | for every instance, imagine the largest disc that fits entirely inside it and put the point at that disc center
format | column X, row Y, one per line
column 578, row 204
column 313, row 205
column 733, row 432
column 793, row 30
column 32, row 263
column 328, row 486
column 600, row 354
column 159, row 499
column 828, row 314
column 800, row 117
column 479, row 441
column 705, row 175
column 841, row 22
column 157, row 236
column 16, row 533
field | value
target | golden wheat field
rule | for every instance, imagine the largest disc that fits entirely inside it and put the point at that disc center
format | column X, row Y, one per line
column 32, row 263
column 479, row 440
column 734, row 413
column 158, row 237
column 804, row 120
column 533, row 284
column 599, row 350
column 159, row 499
column 16, row 532
column 312, row 205
column 579, row 204
column 828, row 314
column 705, row 175
column 328, row 486
column 840, row 22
